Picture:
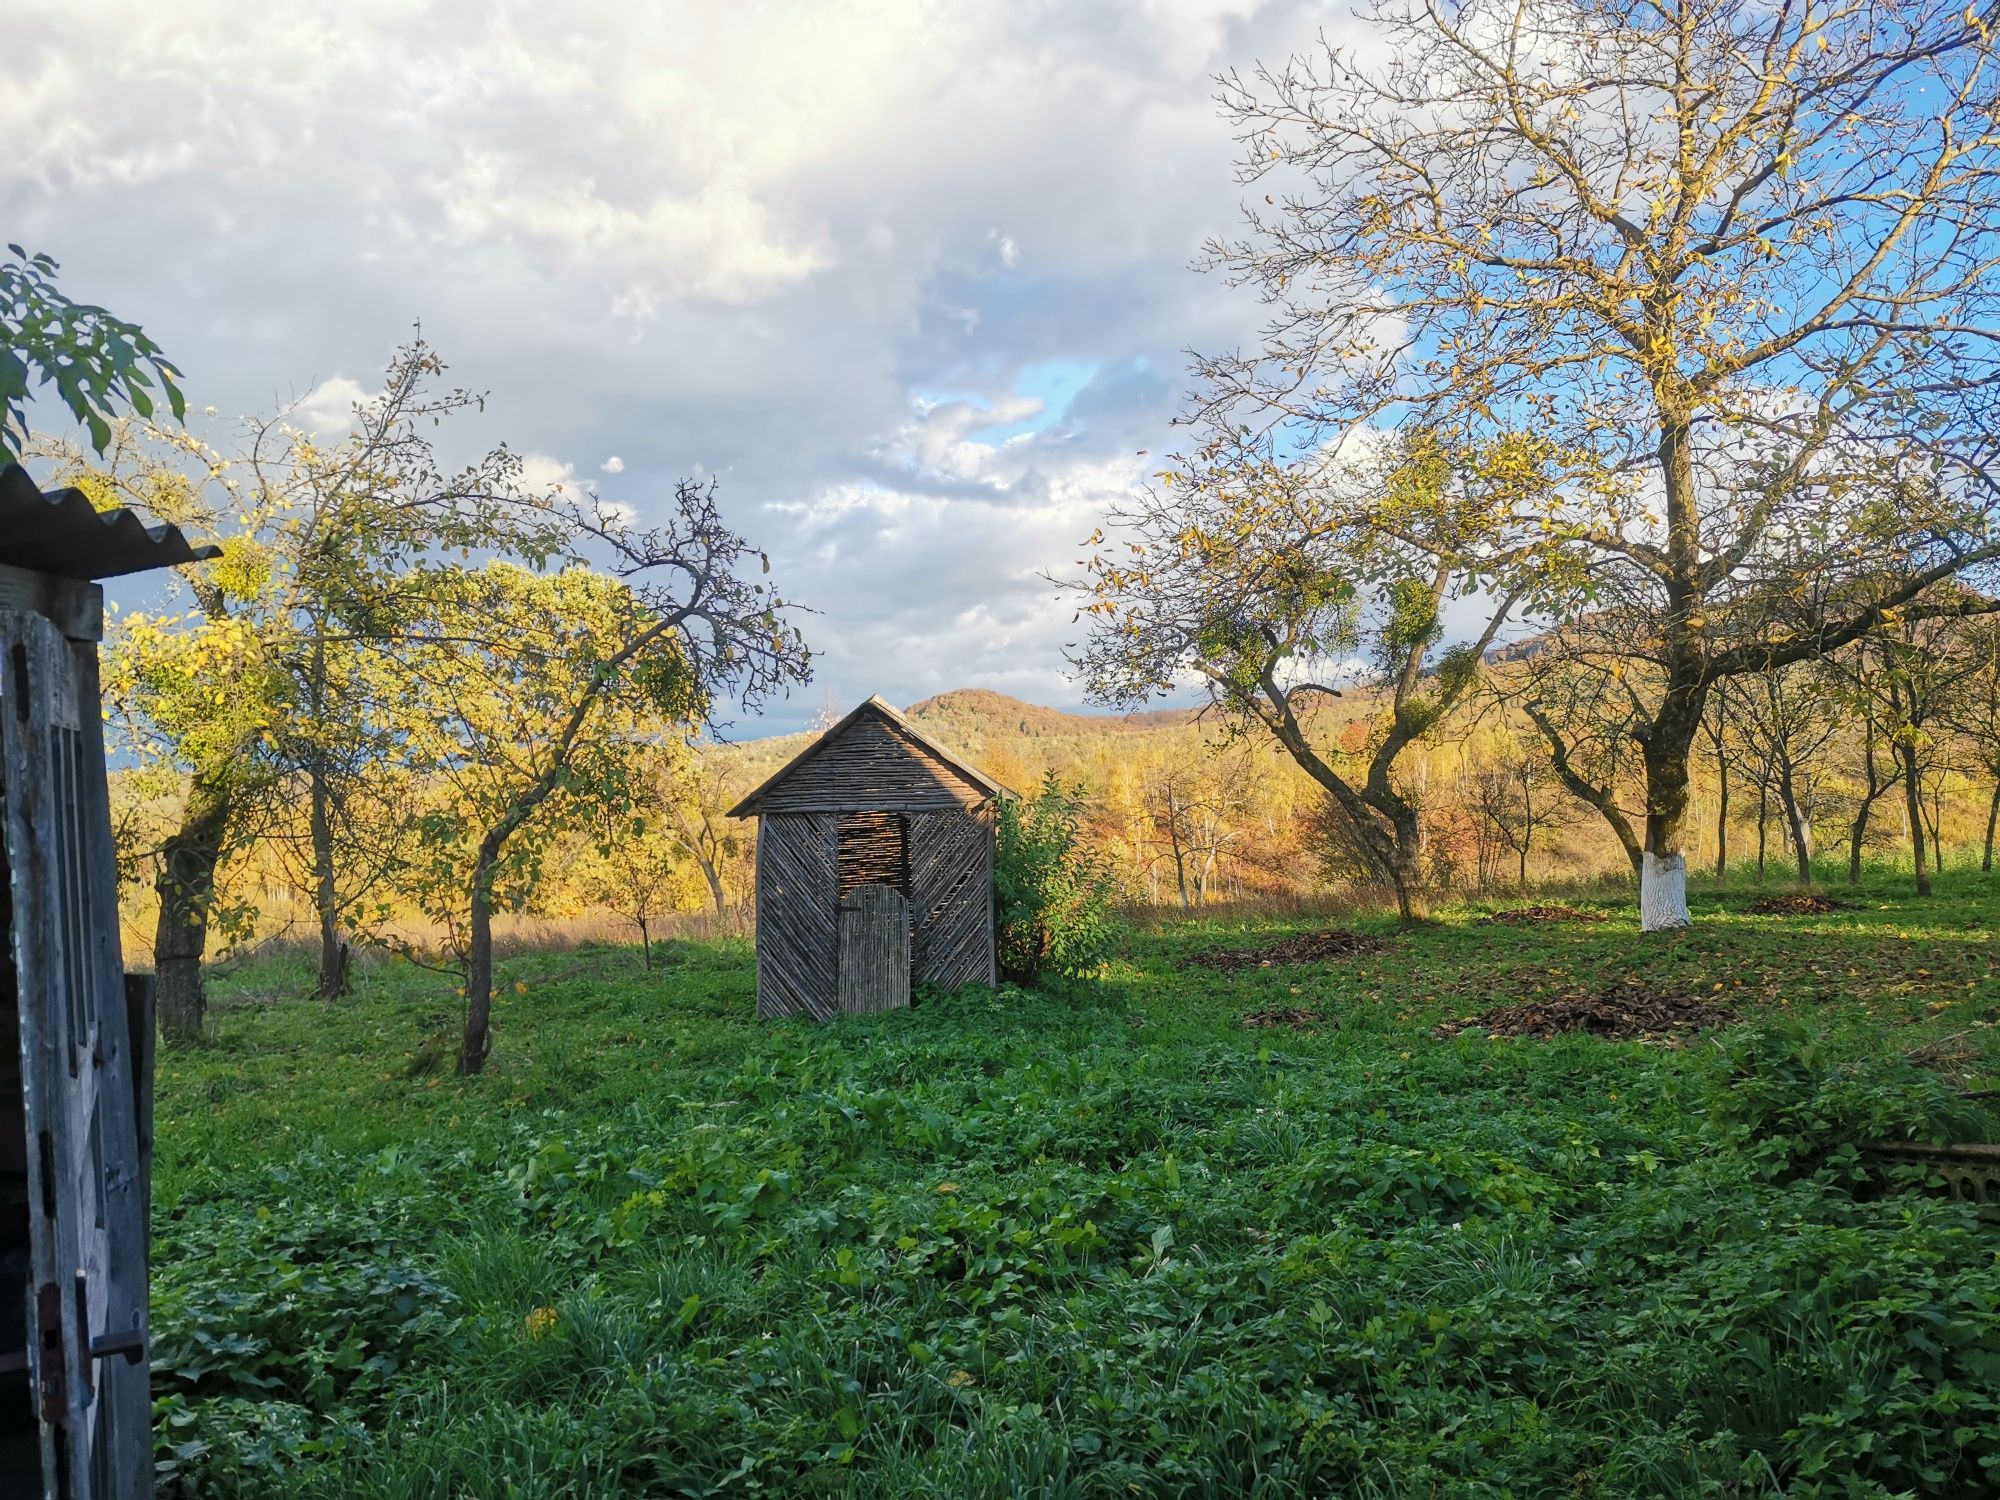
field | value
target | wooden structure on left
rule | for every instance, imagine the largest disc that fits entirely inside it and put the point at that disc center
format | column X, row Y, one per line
column 874, row 870
column 76, row 1057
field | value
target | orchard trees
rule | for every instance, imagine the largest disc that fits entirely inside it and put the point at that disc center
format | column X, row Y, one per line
column 1270, row 588
column 1733, row 265
column 278, row 686
column 1520, row 799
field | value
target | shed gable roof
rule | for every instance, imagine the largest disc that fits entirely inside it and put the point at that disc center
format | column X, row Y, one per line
column 872, row 758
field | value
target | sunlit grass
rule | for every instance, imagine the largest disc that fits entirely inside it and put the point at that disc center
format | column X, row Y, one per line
column 1106, row 1241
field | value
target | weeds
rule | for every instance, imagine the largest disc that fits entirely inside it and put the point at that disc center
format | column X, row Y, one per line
column 1099, row 1240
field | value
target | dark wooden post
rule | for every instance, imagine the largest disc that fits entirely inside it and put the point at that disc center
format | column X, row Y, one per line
column 139, row 1028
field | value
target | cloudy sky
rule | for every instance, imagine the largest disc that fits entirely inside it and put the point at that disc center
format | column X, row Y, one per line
column 910, row 278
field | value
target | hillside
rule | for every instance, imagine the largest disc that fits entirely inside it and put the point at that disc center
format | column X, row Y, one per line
column 983, row 711
column 1017, row 742
column 1012, row 740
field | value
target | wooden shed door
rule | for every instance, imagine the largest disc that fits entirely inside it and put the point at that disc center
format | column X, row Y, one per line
column 86, row 1284
column 874, row 949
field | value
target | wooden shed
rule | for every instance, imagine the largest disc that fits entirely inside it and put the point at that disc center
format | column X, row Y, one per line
column 874, row 870
column 76, row 1031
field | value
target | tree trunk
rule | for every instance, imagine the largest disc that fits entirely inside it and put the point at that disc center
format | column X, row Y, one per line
column 479, row 962
column 1858, row 834
column 714, row 878
column 1404, row 846
column 186, row 885
column 645, row 946
column 1913, row 806
column 333, row 950
column 1174, row 844
column 1763, row 828
column 1663, row 871
column 1668, row 741
column 1992, row 820
column 1796, row 827
column 1721, row 816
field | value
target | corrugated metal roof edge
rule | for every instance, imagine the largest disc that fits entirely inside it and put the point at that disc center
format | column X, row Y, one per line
column 117, row 538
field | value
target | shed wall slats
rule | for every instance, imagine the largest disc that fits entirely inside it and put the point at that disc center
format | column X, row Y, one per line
column 951, row 885
column 873, row 766
column 798, row 951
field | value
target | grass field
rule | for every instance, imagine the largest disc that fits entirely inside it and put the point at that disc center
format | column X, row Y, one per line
column 1107, row 1241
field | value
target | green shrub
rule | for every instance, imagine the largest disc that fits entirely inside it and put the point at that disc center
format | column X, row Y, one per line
column 1055, row 893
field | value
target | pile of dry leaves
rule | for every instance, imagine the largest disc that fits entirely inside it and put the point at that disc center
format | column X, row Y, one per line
column 1624, row 1012
column 1523, row 916
column 1807, row 905
column 1308, row 948
column 1286, row 1015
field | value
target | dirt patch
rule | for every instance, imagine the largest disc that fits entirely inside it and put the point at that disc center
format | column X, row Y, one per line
column 1308, row 948
column 1624, row 1012
column 1286, row 1015
column 1807, row 905
column 1525, row 916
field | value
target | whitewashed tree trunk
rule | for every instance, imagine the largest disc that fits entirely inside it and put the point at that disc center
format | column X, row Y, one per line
column 1663, row 892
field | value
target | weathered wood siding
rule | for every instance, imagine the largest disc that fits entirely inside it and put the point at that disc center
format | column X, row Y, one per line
column 798, row 954
column 872, row 767
column 874, row 950
column 951, row 896
column 86, row 1222
column 871, row 805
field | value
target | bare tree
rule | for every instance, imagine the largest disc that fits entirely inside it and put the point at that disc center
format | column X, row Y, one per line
column 1913, row 673
column 1733, row 265
column 1715, row 724
column 1193, row 815
column 1787, row 718
column 1858, row 670
column 1521, row 798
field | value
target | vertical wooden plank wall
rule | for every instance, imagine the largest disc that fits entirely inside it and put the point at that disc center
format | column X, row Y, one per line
column 87, row 1265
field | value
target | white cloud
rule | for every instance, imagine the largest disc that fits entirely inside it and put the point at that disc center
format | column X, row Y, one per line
column 543, row 475
column 737, row 235
column 328, row 409
column 613, row 465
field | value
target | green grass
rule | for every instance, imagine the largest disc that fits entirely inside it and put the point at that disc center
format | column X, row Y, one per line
column 1100, row 1242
